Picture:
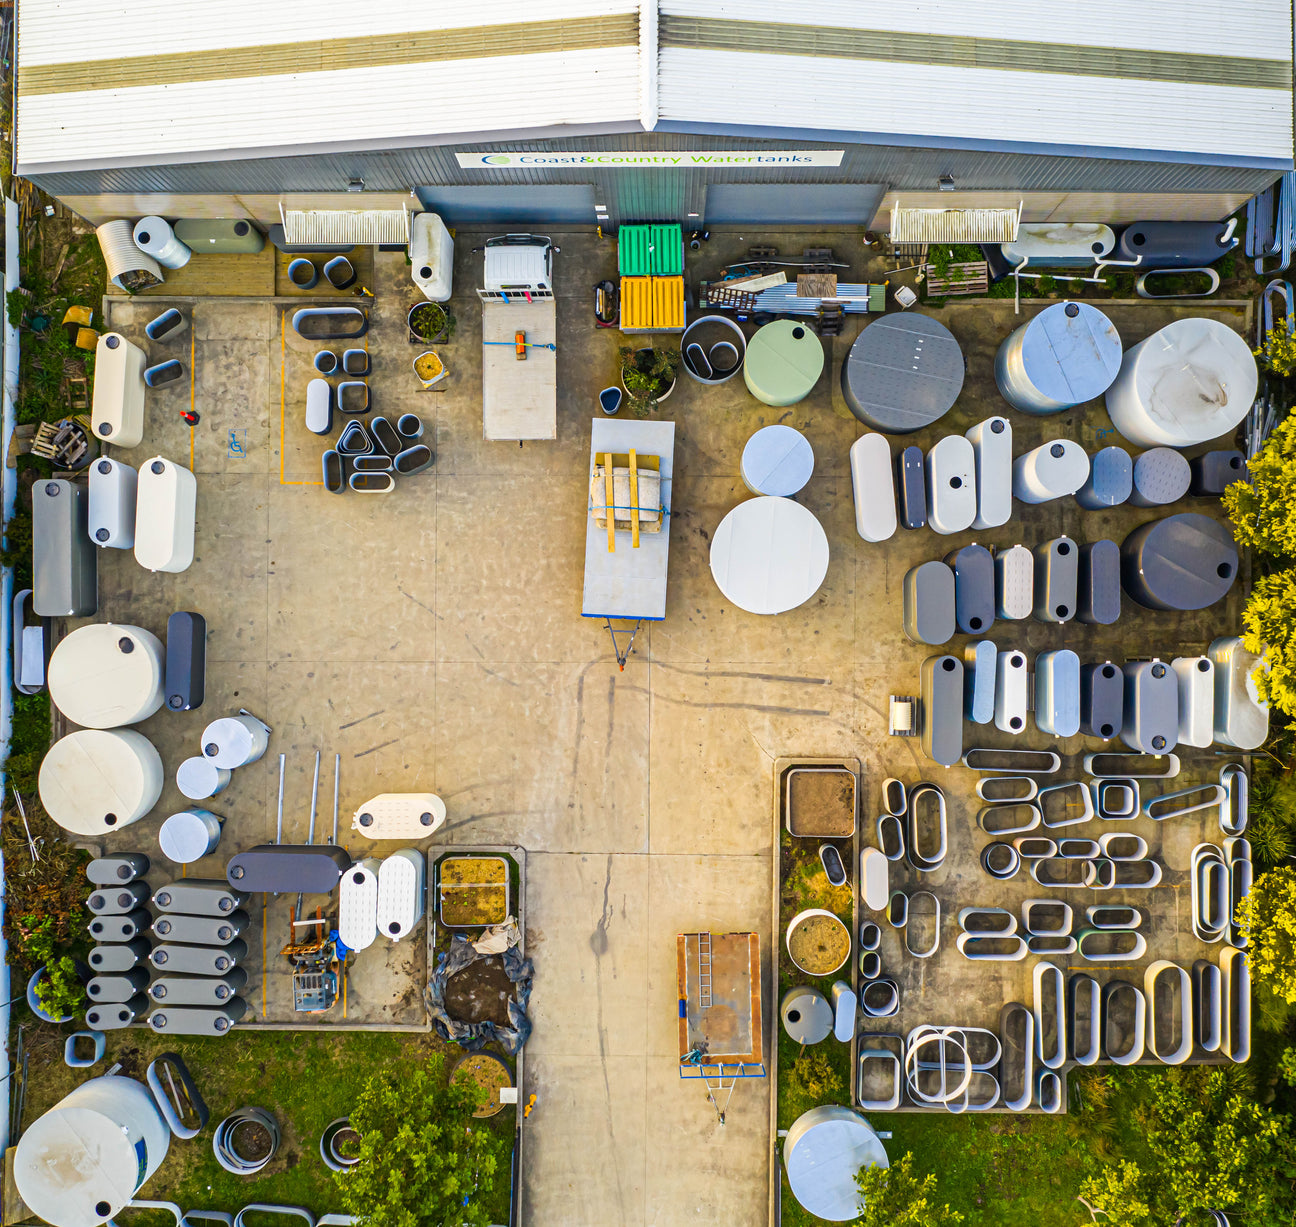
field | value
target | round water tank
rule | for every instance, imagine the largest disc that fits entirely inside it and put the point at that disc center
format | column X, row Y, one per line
column 1191, row 382
column 824, row 1149
column 84, row 1159
column 189, row 835
column 1068, row 354
column 807, row 1016
column 1050, row 471
column 197, row 778
column 234, row 741
column 104, row 676
column 100, row 780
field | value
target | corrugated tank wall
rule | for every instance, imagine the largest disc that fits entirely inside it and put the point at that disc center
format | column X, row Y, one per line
column 645, row 194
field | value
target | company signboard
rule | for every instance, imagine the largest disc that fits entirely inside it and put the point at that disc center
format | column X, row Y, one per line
column 639, row 159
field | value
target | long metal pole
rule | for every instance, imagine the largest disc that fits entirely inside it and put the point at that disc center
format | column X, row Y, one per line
column 310, row 838
column 279, row 821
column 337, row 769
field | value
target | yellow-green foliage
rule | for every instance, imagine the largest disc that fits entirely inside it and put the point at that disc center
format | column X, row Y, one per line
column 813, row 1080
column 1264, row 511
column 1278, row 353
column 1267, row 915
column 1116, row 1193
column 1269, row 630
column 894, row 1197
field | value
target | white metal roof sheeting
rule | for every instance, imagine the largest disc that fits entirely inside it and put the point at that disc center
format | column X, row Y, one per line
column 1259, row 29
column 64, row 31
column 381, row 104
column 976, row 104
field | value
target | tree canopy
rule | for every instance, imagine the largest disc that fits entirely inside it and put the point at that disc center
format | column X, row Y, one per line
column 424, row 1161
column 895, row 1197
column 1267, row 915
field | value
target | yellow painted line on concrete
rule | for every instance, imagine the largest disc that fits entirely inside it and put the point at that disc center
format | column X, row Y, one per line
column 265, row 971
column 191, row 396
column 344, row 992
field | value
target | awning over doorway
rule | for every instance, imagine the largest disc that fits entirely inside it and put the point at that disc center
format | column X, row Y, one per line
column 924, row 226
column 334, row 227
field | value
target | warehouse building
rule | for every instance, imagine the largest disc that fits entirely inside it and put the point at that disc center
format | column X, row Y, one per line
column 705, row 111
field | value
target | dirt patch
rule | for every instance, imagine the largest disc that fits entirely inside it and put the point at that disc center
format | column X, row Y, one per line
column 480, row 993
column 821, row 803
column 819, row 945
column 251, row 1141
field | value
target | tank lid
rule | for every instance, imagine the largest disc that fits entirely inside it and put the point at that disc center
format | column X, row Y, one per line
column 1071, row 352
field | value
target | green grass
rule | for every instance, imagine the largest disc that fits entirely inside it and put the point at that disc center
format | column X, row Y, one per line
column 305, row 1079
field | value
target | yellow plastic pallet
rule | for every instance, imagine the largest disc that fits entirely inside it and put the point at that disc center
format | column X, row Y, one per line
column 652, row 304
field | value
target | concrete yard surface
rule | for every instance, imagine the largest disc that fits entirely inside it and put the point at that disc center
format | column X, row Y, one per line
column 433, row 638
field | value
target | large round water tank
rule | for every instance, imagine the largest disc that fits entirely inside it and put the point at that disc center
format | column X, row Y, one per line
column 1191, row 382
column 100, row 780
column 84, row 1159
column 1068, row 354
column 104, row 676
column 824, row 1149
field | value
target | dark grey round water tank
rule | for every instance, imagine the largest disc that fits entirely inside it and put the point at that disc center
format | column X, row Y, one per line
column 903, row 373
column 1185, row 561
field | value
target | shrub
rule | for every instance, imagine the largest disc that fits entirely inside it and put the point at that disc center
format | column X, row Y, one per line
column 424, row 1161
column 1263, row 510
column 1277, row 354
column 894, row 1197
column 1267, row 915
column 647, row 373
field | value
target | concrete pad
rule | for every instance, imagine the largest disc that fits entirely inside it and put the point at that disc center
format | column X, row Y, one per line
column 551, row 757
column 323, row 556
column 586, row 931
column 584, row 1162
column 715, row 734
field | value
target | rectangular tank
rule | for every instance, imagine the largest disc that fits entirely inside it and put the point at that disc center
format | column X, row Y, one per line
column 64, row 563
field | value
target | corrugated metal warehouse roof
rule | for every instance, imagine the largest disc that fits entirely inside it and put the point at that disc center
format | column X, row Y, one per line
column 150, row 82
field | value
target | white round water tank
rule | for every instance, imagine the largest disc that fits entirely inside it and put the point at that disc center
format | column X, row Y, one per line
column 189, row 835
column 1191, row 382
column 1050, row 471
column 199, row 778
column 99, row 780
column 104, row 676
column 1068, row 354
column 823, row 1150
column 84, row 1159
column 234, row 741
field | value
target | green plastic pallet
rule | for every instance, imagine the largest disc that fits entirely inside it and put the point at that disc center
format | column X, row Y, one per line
column 666, row 256
column 632, row 250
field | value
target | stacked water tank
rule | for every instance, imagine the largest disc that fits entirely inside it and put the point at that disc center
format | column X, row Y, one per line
column 199, row 948
column 120, row 928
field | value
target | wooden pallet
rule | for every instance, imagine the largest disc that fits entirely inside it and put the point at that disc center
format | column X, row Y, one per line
column 963, row 281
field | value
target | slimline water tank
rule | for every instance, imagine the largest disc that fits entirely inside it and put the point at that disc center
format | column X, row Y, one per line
column 400, row 893
column 1068, row 354
column 1192, row 381
column 107, row 675
column 112, row 504
column 358, row 904
column 85, row 1159
column 1050, row 471
column 100, row 780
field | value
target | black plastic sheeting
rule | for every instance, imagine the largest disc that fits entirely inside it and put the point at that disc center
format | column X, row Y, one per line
column 475, row 1036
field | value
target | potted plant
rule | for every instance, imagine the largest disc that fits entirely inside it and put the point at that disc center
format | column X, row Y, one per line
column 648, row 376
column 430, row 324
column 54, row 992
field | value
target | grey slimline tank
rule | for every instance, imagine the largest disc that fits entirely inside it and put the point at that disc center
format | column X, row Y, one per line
column 1057, row 573
column 1099, row 592
column 1102, row 700
column 118, row 986
column 1151, row 716
column 120, row 956
column 929, row 603
column 911, row 487
column 120, row 928
column 198, row 960
column 1185, row 561
column 1111, row 480
column 117, row 870
column 200, row 930
column 942, row 694
column 1068, row 354
column 199, row 897
column 312, row 869
column 198, row 990
column 198, row 1020
column 119, row 899
column 64, row 559
column 974, row 588
column 1214, row 472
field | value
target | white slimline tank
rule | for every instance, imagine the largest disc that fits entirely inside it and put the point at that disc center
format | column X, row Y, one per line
column 1068, row 354
column 85, row 1159
column 1050, row 471
column 358, row 904
column 400, row 893
column 1192, row 381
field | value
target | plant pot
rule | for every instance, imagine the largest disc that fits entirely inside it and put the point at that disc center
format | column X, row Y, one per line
column 429, row 368
column 661, row 396
column 334, row 1142
column 303, row 274
column 33, row 1002
column 833, row 928
column 431, row 327
column 326, row 362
